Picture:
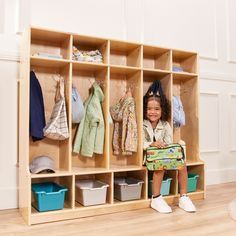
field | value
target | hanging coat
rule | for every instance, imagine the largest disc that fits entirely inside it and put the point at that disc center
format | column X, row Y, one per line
column 125, row 135
column 90, row 135
column 37, row 115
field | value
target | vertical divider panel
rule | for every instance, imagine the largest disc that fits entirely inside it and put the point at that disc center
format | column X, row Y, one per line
column 73, row 192
column 70, row 117
column 112, row 188
column 66, row 47
column 145, row 191
column 65, row 147
column 171, row 92
column 140, row 143
column 175, row 182
column 106, row 117
column 106, row 49
column 107, row 132
column 103, row 76
column 70, row 47
column 142, row 55
column 23, row 139
column 107, row 120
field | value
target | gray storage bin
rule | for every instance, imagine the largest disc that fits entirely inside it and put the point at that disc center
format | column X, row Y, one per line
column 127, row 188
column 90, row 192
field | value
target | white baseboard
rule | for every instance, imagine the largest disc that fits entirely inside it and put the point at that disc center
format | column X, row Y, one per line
column 9, row 198
column 219, row 176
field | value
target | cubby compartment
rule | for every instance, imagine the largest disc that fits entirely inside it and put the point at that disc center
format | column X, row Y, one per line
column 196, row 178
column 57, row 150
column 187, row 90
column 93, row 189
column 87, row 47
column 48, row 196
column 83, row 79
column 169, row 183
column 125, row 54
column 155, row 58
column 130, row 185
column 165, row 79
column 184, row 62
column 54, row 193
column 125, row 83
column 49, row 44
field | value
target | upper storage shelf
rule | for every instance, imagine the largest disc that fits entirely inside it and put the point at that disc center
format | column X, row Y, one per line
column 156, row 58
column 90, row 49
column 125, row 54
column 49, row 44
column 184, row 62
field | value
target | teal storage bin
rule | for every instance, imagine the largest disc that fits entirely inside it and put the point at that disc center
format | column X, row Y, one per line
column 48, row 196
column 165, row 186
column 192, row 182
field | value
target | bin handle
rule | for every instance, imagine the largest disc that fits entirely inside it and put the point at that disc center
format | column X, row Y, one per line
column 87, row 188
column 51, row 193
column 140, row 182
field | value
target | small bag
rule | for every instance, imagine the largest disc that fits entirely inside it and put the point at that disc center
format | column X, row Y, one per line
column 57, row 127
column 77, row 107
column 167, row 158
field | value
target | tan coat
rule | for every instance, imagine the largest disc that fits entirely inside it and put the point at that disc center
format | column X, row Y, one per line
column 125, row 135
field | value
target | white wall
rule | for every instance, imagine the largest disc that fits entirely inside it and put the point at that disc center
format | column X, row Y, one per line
column 9, row 71
column 206, row 26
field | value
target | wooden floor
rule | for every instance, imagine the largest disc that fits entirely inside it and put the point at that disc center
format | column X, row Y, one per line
column 212, row 218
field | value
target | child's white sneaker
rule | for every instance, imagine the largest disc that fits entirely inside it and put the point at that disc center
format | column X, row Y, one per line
column 160, row 205
column 186, row 204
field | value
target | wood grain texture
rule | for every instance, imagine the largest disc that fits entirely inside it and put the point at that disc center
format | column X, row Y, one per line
column 212, row 218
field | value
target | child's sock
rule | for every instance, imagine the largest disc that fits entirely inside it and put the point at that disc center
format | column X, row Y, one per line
column 156, row 196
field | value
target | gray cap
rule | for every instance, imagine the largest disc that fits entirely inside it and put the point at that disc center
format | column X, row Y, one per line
column 42, row 163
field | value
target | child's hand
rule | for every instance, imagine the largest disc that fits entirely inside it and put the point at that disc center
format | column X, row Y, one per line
column 158, row 144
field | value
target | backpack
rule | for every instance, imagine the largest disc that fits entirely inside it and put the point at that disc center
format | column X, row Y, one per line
column 178, row 112
column 77, row 106
column 167, row 158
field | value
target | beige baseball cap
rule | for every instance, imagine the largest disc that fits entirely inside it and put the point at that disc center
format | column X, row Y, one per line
column 42, row 164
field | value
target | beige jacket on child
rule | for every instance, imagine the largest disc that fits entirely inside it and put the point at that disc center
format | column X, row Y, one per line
column 162, row 132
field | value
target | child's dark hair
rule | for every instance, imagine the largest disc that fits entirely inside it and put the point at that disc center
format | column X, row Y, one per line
column 164, row 103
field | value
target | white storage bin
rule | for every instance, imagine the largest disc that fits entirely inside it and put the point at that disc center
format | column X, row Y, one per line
column 127, row 188
column 90, row 192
